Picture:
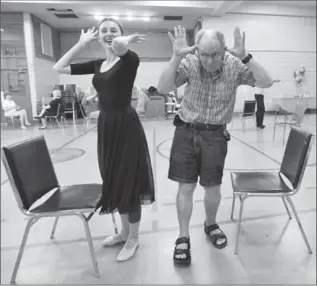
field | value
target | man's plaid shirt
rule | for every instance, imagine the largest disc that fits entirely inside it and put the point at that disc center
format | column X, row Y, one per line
column 210, row 98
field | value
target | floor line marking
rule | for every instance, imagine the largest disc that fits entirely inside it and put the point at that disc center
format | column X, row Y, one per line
column 200, row 225
column 62, row 146
column 255, row 149
column 154, row 205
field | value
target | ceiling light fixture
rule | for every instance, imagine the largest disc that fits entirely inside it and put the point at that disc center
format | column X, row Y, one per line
column 146, row 18
column 2, row 30
column 98, row 17
column 128, row 17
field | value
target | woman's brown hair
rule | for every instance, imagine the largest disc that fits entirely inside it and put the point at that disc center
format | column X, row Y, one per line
column 112, row 20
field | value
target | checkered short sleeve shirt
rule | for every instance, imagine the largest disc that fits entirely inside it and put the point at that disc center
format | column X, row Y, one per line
column 210, row 98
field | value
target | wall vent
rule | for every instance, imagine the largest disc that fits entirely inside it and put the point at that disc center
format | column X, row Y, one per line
column 66, row 16
column 173, row 18
column 59, row 10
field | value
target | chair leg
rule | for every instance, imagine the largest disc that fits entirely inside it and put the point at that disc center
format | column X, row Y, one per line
column 54, row 228
column 63, row 118
column 115, row 227
column 74, row 117
column 21, row 250
column 91, row 246
column 233, row 204
column 57, row 121
column 284, row 133
column 274, row 128
column 242, row 199
column 299, row 224
column 288, row 212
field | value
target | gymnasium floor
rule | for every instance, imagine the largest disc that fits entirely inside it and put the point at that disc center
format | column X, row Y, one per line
column 272, row 250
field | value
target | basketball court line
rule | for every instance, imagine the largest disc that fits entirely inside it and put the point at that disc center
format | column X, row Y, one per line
column 62, row 146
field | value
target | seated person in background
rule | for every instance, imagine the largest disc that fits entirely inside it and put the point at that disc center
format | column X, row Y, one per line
column 172, row 102
column 11, row 109
column 142, row 102
column 91, row 96
column 50, row 109
column 152, row 91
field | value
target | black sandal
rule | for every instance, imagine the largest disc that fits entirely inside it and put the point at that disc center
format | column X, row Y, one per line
column 182, row 261
column 216, row 236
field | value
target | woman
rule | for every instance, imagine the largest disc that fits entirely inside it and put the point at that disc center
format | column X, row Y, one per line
column 11, row 109
column 90, row 103
column 50, row 109
column 123, row 154
column 142, row 101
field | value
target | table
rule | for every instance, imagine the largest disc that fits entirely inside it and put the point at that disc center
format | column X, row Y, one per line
column 288, row 103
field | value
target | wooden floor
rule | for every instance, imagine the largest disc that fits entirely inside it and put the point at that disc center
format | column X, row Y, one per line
column 272, row 250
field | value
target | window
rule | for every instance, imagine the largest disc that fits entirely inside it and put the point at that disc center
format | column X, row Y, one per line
column 46, row 40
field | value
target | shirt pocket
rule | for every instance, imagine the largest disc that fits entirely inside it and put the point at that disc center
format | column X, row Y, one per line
column 223, row 92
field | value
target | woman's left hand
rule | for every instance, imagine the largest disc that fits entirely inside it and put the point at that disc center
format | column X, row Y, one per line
column 137, row 38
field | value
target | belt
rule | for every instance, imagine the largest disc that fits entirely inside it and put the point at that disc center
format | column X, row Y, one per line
column 202, row 126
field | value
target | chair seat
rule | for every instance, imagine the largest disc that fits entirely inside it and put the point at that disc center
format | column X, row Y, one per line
column 70, row 198
column 247, row 115
column 290, row 122
column 258, row 182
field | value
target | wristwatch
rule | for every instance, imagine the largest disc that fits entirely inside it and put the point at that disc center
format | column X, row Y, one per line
column 247, row 58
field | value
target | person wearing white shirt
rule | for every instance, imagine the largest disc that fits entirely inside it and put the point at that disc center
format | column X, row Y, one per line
column 91, row 95
column 11, row 109
column 260, row 110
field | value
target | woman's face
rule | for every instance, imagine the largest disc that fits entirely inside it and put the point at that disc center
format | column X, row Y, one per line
column 108, row 30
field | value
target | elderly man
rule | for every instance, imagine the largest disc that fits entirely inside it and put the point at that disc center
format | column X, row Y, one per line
column 212, row 73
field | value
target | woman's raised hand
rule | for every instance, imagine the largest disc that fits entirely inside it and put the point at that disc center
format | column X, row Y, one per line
column 89, row 36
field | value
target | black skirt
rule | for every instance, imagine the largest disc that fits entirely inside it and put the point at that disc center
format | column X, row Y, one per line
column 124, row 161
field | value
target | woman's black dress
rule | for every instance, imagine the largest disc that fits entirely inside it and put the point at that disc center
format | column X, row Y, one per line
column 123, row 154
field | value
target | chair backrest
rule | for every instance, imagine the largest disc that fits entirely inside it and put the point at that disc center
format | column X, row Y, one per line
column 296, row 155
column 67, row 97
column 89, row 107
column 61, row 109
column 248, row 108
column 70, row 87
column 299, row 111
column 30, row 170
column 58, row 109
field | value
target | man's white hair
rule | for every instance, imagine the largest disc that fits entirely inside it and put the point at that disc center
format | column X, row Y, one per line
column 211, row 34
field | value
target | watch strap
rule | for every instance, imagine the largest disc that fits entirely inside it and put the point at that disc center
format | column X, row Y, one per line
column 247, row 58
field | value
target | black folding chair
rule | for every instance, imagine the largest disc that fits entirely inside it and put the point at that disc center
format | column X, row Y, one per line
column 60, row 114
column 32, row 175
column 247, row 113
column 273, row 184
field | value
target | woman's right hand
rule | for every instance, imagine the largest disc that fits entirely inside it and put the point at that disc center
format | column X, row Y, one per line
column 180, row 47
column 89, row 36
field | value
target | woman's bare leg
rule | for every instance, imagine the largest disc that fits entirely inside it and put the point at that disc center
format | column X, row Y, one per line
column 21, row 117
column 43, row 120
column 23, row 111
